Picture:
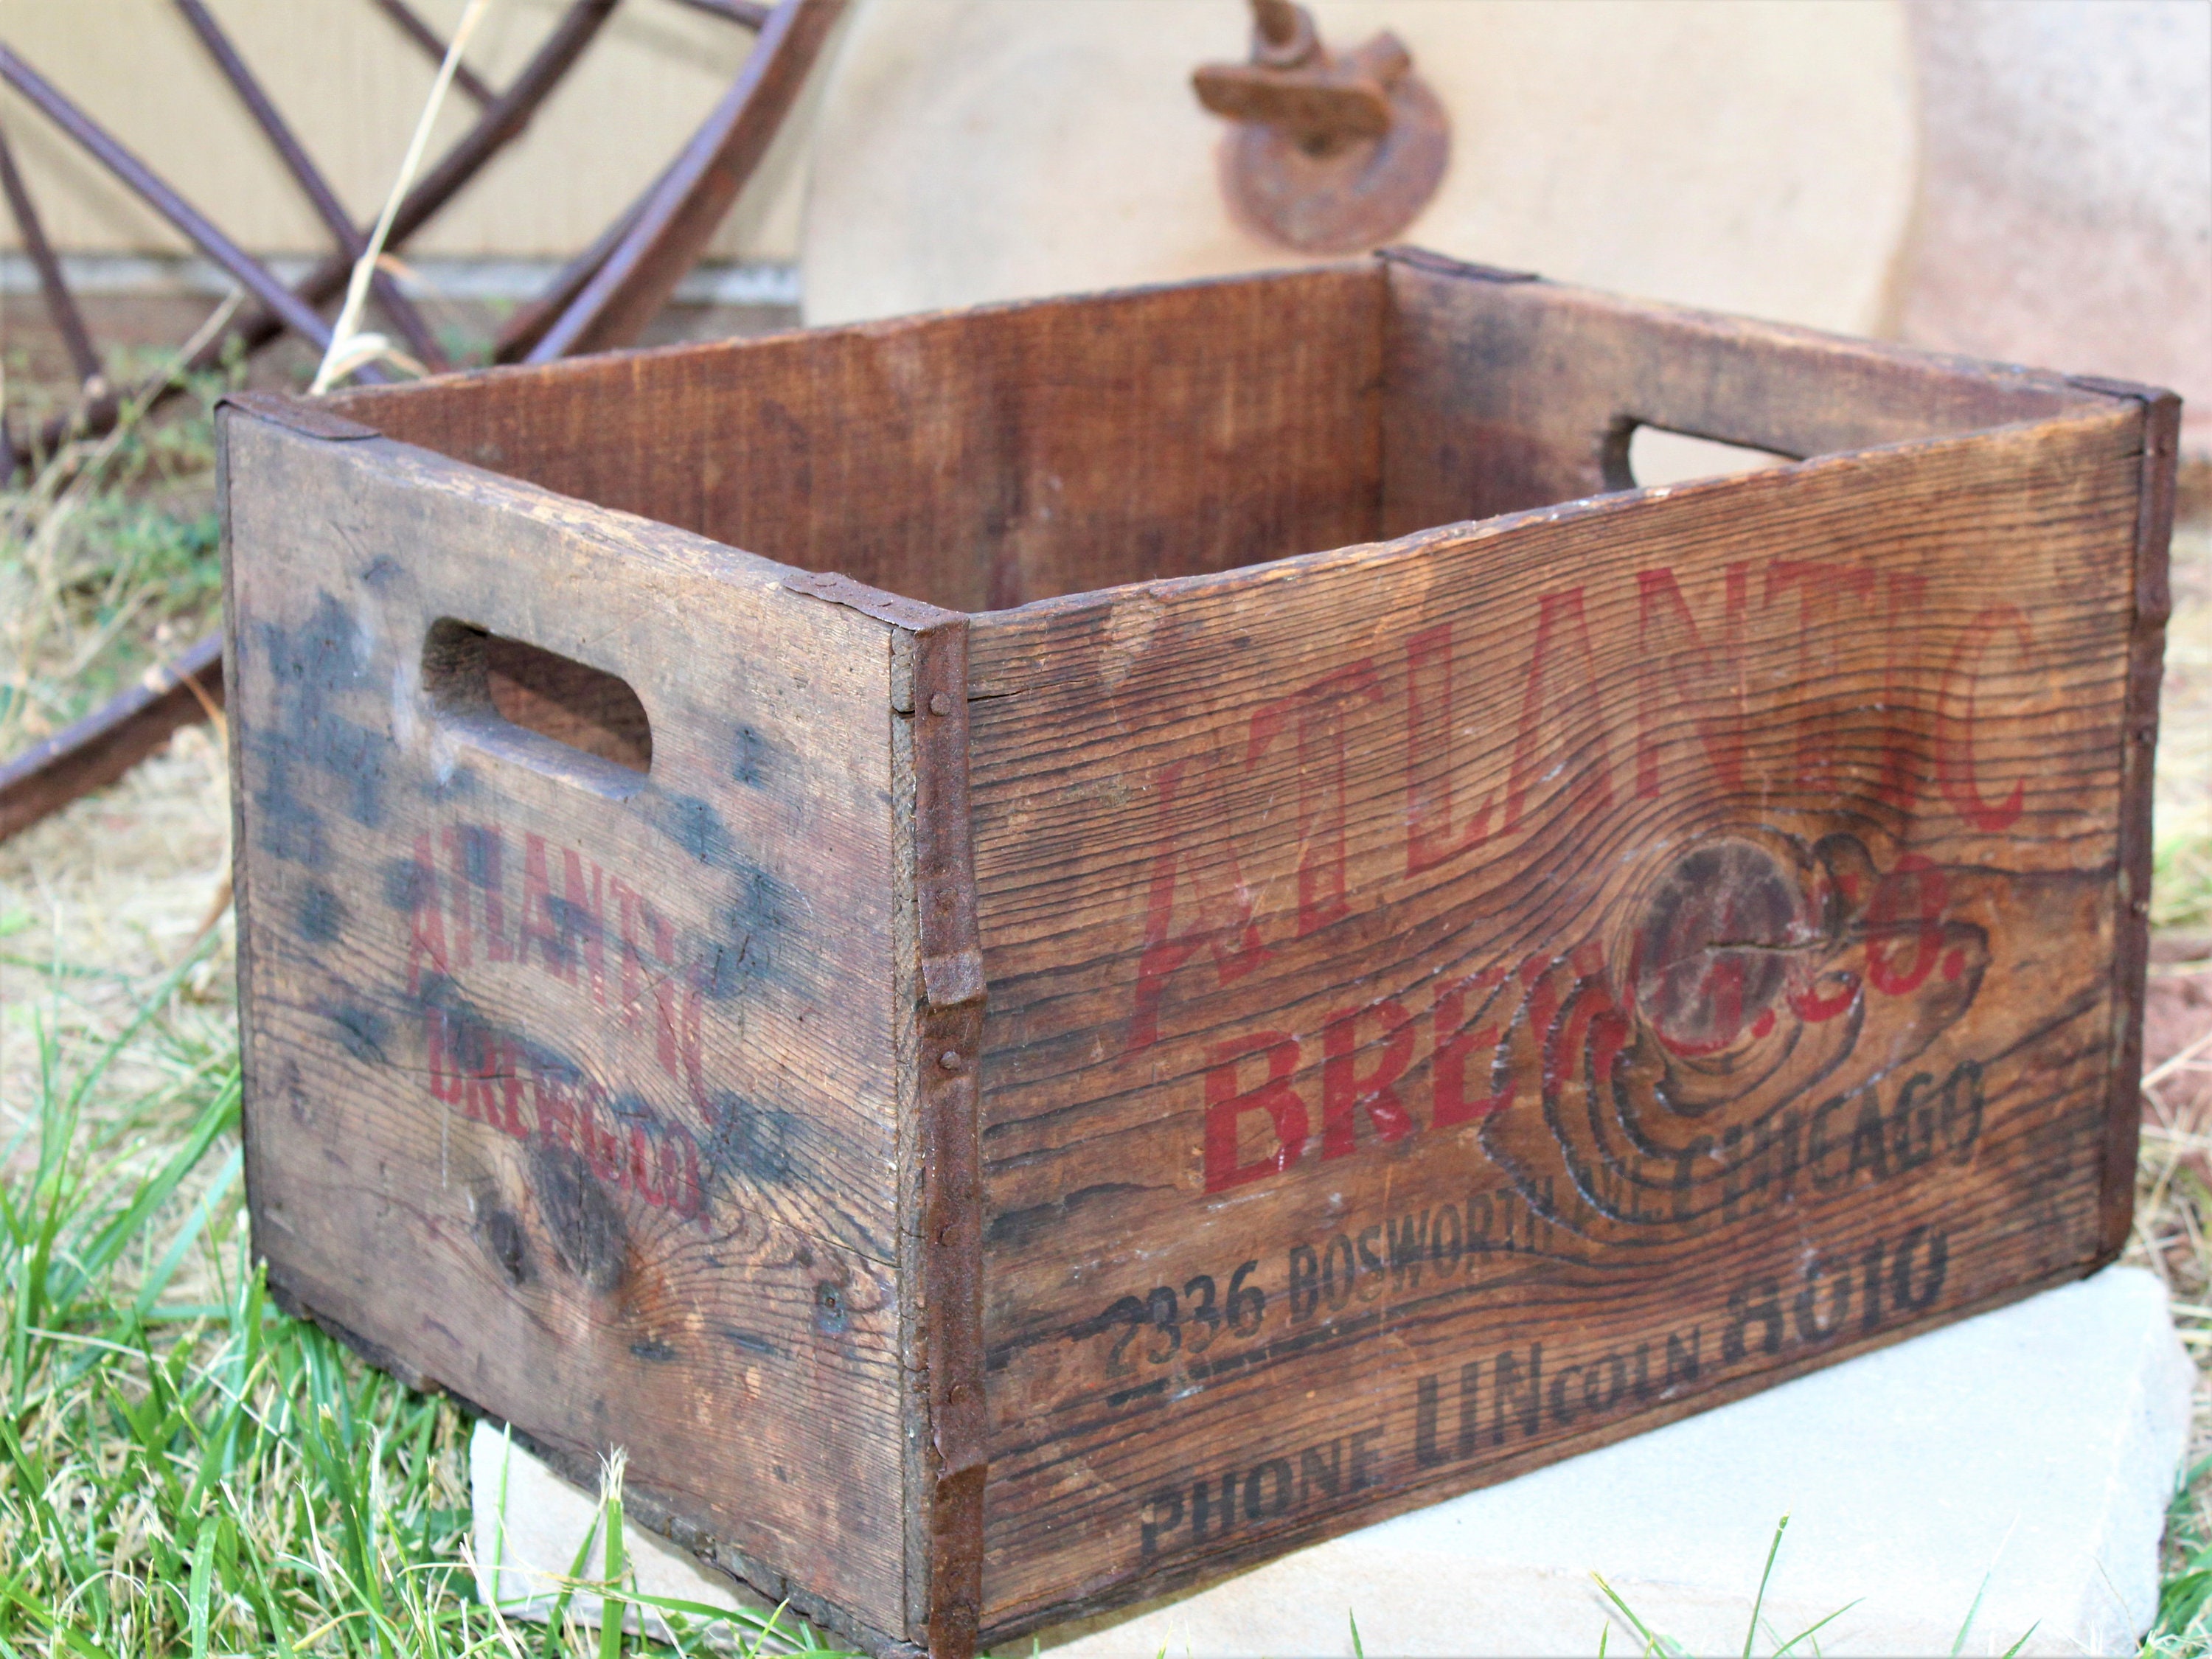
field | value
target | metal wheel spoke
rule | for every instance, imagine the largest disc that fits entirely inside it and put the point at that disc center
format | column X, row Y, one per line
column 434, row 49
column 61, row 304
column 108, row 742
column 528, row 326
column 687, row 205
column 331, row 211
column 603, row 297
column 254, row 276
column 499, row 124
column 493, row 130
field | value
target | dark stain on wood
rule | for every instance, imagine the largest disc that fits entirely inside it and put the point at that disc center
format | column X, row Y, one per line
column 591, row 1238
column 1223, row 935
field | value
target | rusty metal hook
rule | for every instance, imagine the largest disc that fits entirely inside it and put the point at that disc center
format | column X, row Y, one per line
column 1332, row 151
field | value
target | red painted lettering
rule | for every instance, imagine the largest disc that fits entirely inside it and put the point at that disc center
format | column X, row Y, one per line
column 457, row 895
column 447, row 1082
column 604, row 1149
column 1455, row 1046
column 538, row 921
column 644, row 1165
column 1226, row 1105
column 426, row 928
column 676, row 1163
column 1820, row 590
column 1906, row 595
column 1956, row 769
column 1197, row 901
column 1595, row 1029
column 557, row 1117
column 584, row 925
column 1904, row 925
column 1679, row 674
column 1344, row 1092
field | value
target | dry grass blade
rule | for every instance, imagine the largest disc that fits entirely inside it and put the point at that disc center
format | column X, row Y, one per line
column 350, row 349
column 90, row 551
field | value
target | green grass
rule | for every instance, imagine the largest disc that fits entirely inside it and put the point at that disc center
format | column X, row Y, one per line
column 2184, row 1625
column 185, row 1469
column 1759, row 1636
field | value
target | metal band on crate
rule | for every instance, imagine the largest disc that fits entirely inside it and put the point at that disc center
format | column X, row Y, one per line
column 951, row 1034
column 952, row 992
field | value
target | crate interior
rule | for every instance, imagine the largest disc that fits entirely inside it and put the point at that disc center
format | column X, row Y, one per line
column 983, row 460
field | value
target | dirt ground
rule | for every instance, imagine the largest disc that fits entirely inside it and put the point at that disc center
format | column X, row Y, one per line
column 2178, row 1010
column 101, row 901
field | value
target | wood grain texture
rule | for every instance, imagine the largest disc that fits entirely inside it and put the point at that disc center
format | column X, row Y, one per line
column 1564, row 966
column 1250, row 1038
column 941, row 1003
column 1507, row 393
column 582, row 1101
column 2154, row 604
column 976, row 460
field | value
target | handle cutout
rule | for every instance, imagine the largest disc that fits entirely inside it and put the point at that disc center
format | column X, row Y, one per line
column 1639, row 454
column 537, row 707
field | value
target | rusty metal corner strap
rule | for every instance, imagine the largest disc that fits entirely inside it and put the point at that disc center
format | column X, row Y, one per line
column 953, row 992
column 834, row 587
column 950, row 940
column 2104, row 386
column 297, row 415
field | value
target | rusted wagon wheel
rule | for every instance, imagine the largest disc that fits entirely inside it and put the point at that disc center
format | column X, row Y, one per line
column 602, row 299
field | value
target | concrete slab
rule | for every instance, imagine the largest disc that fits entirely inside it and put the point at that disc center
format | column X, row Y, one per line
column 2024, row 1455
column 529, row 1525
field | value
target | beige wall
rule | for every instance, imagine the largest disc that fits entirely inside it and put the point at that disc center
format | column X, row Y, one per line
column 352, row 87
column 2059, row 151
column 2025, row 179
column 1748, row 155
column 2065, row 211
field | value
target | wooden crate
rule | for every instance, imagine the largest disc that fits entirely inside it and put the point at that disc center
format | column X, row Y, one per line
column 1279, row 942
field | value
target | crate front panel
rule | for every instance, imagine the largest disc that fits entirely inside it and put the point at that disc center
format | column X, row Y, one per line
column 1456, row 1001
column 582, row 1106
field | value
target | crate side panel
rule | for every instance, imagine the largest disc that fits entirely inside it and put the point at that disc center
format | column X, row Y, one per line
column 582, row 1107
column 1453, row 1001
column 976, row 460
column 1508, row 395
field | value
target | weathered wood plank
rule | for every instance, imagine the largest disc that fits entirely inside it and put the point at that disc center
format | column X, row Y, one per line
column 977, row 460
column 2154, row 603
column 1251, row 1038
column 1672, row 931
column 578, row 1094
column 1506, row 393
